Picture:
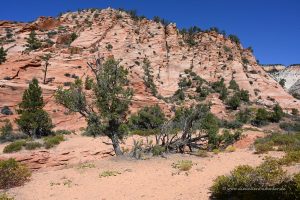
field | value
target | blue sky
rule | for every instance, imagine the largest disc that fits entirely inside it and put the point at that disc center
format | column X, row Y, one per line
column 271, row 27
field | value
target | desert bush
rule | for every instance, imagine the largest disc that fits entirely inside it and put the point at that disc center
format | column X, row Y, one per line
column 244, row 95
column 32, row 145
column 14, row 146
column 290, row 127
column 234, row 38
column 244, row 116
column 183, row 165
column 290, row 158
column 277, row 114
column 231, row 124
column 282, row 82
column 6, row 130
column 263, row 147
column 267, row 181
column 4, row 196
column 179, row 94
column 285, row 142
column 109, row 173
column 13, row 174
column 52, row 141
column 234, row 101
column 230, row 149
column 158, row 150
column 88, row 84
column 295, row 111
column 233, row 85
column 261, row 118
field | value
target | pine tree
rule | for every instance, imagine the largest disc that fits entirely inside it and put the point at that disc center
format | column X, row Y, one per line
column 32, row 42
column 34, row 121
column 2, row 55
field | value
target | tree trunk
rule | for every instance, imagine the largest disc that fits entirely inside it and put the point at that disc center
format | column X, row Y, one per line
column 115, row 141
column 45, row 73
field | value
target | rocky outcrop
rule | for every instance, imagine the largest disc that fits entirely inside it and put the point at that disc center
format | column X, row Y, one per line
column 295, row 89
column 111, row 32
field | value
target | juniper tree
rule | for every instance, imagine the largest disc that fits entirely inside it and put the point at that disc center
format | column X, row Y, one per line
column 106, row 112
column 33, row 121
column 33, row 42
column 148, row 77
column 3, row 55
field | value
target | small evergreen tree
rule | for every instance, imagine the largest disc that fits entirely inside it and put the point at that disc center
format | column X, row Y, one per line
column 282, row 82
column 261, row 117
column 33, row 42
column 148, row 77
column 33, row 121
column 111, row 98
column 277, row 114
column 3, row 55
column 234, row 102
column 46, row 59
column 233, row 85
column 244, row 95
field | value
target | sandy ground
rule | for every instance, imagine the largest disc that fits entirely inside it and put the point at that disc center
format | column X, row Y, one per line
column 154, row 178
column 139, row 179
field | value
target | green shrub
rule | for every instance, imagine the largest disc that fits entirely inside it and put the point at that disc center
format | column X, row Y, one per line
column 14, row 146
column 6, row 130
column 148, row 118
column 244, row 116
column 277, row 114
column 295, row 111
column 261, row 118
column 13, row 174
column 234, row 38
column 262, row 182
column 216, row 151
column 157, row 150
column 32, row 145
column 282, row 82
column 52, row 141
column 88, row 84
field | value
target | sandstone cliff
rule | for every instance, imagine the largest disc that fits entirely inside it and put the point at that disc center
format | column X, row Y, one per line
column 116, row 33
